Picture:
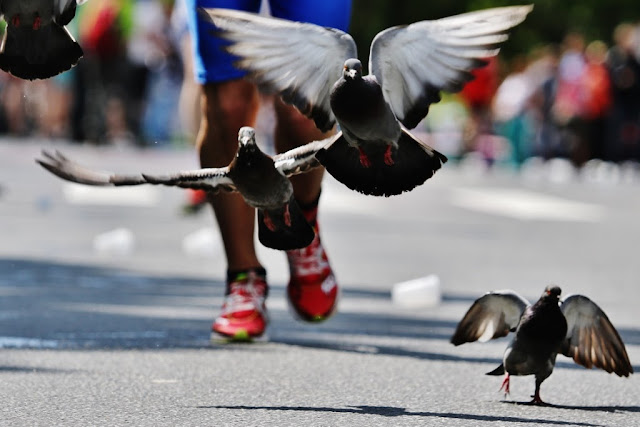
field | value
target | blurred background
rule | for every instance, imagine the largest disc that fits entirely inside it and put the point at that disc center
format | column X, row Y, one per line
column 567, row 84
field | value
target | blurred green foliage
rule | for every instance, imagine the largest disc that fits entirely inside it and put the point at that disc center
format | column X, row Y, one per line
column 549, row 22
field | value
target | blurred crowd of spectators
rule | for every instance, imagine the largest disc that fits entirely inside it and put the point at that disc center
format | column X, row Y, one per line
column 124, row 90
column 579, row 100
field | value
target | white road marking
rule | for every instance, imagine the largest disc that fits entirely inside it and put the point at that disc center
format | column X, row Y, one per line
column 23, row 342
column 78, row 194
column 525, row 205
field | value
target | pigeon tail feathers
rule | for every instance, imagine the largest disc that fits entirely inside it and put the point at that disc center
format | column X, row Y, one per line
column 413, row 164
column 295, row 233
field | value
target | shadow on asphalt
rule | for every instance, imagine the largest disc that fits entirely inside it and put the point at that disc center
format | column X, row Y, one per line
column 45, row 304
column 582, row 408
column 391, row 411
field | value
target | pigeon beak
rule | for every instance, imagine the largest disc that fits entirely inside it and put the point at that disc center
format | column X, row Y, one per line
column 352, row 73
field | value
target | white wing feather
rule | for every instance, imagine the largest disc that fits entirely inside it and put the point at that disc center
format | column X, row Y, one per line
column 413, row 63
column 298, row 60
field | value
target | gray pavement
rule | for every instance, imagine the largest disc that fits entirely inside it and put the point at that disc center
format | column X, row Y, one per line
column 117, row 333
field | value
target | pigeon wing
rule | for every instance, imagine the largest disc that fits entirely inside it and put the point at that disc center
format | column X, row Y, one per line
column 59, row 165
column 299, row 61
column 301, row 159
column 591, row 338
column 414, row 63
column 491, row 316
column 208, row 179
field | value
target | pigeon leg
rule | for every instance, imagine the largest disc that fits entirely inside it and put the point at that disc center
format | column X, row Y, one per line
column 537, row 400
column 364, row 159
column 37, row 22
column 388, row 159
column 505, row 385
column 287, row 216
column 268, row 222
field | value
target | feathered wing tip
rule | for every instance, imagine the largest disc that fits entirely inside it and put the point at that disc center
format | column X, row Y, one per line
column 61, row 54
column 498, row 371
column 413, row 165
column 299, row 234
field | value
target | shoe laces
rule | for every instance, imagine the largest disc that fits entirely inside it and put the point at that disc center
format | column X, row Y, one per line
column 250, row 290
column 308, row 261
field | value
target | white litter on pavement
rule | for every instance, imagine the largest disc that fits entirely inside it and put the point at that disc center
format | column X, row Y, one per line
column 423, row 292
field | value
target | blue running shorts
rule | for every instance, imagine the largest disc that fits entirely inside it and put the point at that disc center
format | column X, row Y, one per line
column 212, row 64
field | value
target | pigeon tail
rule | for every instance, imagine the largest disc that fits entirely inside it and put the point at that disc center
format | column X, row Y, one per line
column 45, row 53
column 498, row 371
column 284, row 228
column 413, row 163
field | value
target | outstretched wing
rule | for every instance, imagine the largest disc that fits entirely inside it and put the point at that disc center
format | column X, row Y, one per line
column 212, row 180
column 591, row 338
column 209, row 179
column 301, row 159
column 414, row 63
column 300, row 61
column 59, row 165
column 493, row 315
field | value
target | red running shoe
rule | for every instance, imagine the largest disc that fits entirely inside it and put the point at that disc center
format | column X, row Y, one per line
column 244, row 313
column 312, row 289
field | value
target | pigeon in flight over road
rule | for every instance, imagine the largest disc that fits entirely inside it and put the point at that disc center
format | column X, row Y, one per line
column 36, row 43
column 317, row 70
column 260, row 179
column 575, row 327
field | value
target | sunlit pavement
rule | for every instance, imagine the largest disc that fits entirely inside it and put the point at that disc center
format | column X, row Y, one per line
column 107, row 297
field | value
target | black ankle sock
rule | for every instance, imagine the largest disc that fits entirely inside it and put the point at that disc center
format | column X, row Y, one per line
column 233, row 274
column 310, row 210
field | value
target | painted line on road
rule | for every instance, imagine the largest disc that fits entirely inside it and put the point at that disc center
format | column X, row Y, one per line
column 525, row 205
column 78, row 194
column 23, row 342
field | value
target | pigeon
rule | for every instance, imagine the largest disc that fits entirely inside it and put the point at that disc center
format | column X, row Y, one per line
column 260, row 179
column 36, row 43
column 316, row 69
column 575, row 327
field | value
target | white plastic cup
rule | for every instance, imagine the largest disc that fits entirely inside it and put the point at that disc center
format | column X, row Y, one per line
column 115, row 242
column 417, row 293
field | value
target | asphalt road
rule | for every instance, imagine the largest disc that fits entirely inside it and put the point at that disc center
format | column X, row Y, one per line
column 107, row 297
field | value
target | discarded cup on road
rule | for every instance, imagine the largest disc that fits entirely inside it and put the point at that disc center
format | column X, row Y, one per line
column 115, row 242
column 203, row 243
column 417, row 293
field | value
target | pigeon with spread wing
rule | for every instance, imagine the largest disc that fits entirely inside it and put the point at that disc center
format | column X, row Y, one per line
column 262, row 181
column 317, row 70
column 575, row 327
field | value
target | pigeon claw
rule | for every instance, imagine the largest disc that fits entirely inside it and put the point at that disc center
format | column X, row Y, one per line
column 537, row 400
column 364, row 159
column 505, row 386
column 268, row 222
column 388, row 158
column 37, row 22
column 287, row 216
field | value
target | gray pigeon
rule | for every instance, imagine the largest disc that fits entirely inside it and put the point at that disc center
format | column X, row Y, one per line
column 260, row 179
column 315, row 69
column 576, row 327
column 36, row 44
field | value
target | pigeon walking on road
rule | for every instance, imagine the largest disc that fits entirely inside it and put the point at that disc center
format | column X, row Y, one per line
column 575, row 327
column 317, row 70
column 36, row 43
column 260, row 179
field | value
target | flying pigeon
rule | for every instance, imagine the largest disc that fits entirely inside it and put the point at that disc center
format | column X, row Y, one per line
column 575, row 327
column 36, row 43
column 260, row 179
column 316, row 69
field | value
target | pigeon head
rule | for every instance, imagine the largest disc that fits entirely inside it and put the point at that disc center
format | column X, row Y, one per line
column 352, row 69
column 247, row 139
column 552, row 292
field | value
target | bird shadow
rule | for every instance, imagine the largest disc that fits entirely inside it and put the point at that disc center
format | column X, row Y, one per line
column 611, row 409
column 392, row 411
